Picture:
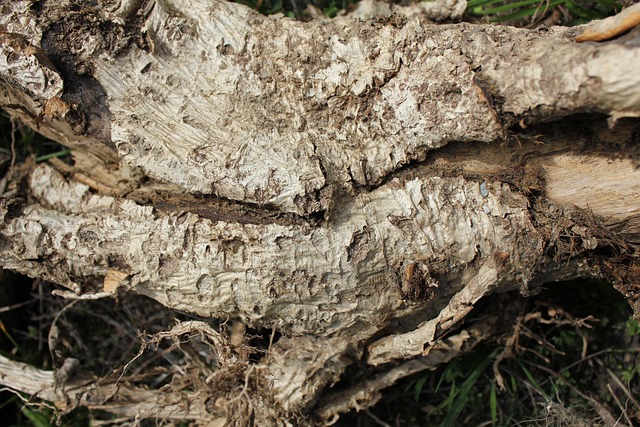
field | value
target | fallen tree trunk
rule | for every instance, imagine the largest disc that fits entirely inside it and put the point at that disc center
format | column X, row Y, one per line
column 357, row 186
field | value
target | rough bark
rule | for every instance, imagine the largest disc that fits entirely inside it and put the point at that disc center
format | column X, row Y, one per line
column 356, row 185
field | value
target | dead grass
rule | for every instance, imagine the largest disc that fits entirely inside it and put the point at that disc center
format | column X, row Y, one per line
column 132, row 340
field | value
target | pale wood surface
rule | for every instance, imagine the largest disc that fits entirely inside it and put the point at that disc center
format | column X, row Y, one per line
column 328, row 179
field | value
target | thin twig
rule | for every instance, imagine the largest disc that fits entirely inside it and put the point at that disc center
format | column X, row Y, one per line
column 273, row 334
column 376, row 419
column 14, row 306
column 601, row 410
column 623, row 409
column 619, row 383
column 53, row 330
column 143, row 347
column 115, row 421
column 584, row 359
column 28, row 401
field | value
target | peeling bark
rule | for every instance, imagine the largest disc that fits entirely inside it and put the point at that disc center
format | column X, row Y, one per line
column 356, row 185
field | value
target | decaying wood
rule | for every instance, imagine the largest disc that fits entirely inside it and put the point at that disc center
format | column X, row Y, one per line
column 606, row 29
column 356, row 185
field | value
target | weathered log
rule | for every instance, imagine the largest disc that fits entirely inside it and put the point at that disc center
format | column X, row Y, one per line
column 357, row 185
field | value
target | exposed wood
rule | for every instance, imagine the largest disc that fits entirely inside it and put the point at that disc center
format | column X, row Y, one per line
column 606, row 29
column 607, row 187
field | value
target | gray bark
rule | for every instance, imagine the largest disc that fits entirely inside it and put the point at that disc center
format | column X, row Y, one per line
column 334, row 180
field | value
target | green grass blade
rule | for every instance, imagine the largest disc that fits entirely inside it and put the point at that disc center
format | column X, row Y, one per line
column 8, row 401
column 417, row 388
column 450, row 373
column 493, row 404
column 463, row 395
column 526, row 13
column 512, row 6
column 38, row 419
column 10, row 337
column 45, row 157
column 532, row 380
column 583, row 13
column 449, row 400
column 482, row 3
